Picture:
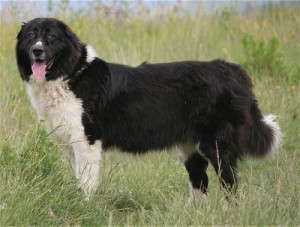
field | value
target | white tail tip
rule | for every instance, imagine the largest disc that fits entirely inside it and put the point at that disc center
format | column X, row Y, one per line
column 270, row 120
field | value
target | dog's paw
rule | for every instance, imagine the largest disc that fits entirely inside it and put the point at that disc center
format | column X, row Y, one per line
column 196, row 197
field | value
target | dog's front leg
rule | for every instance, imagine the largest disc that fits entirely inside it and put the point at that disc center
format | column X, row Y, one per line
column 68, row 151
column 87, row 165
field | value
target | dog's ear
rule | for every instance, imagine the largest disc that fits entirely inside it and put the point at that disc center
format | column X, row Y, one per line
column 21, row 31
column 23, row 60
column 71, row 36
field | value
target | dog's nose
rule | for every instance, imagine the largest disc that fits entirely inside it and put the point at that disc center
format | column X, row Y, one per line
column 37, row 51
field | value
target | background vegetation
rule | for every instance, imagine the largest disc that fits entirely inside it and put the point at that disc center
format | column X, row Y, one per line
column 37, row 186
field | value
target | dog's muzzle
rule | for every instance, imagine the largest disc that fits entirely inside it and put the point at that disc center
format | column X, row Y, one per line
column 38, row 52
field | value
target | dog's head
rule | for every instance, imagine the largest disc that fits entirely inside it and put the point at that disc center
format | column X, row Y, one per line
column 47, row 49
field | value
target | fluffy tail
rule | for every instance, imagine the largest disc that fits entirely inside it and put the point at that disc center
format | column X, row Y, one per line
column 265, row 136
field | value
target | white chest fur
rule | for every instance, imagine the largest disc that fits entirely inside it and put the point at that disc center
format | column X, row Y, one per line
column 55, row 104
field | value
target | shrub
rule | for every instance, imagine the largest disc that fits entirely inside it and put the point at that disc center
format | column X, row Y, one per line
column 263, row 55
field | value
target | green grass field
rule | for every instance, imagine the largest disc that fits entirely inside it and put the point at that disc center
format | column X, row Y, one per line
column 37, row 185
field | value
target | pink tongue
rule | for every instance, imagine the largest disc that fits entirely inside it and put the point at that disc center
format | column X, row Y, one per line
column 39, row 70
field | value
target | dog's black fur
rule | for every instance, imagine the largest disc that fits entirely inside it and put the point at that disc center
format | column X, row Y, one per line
column 155, row 106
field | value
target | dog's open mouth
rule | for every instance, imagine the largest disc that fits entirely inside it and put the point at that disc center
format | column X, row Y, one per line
column 39, row 68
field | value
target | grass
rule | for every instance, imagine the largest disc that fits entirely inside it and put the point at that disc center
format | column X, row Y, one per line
column 37, row 186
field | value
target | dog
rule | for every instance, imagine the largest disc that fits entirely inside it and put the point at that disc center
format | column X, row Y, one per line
column 206, row 109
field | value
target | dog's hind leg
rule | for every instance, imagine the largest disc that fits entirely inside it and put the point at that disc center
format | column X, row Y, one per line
column 87, row 165
column 196, row 166
column 224, row 160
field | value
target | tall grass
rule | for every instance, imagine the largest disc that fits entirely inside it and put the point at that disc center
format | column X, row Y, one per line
column 37, row 186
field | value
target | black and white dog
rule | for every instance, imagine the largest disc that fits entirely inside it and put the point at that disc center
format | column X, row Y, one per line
column 206, row 109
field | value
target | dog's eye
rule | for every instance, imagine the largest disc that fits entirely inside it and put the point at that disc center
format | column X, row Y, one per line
column 31, row 36
column 50, row 37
